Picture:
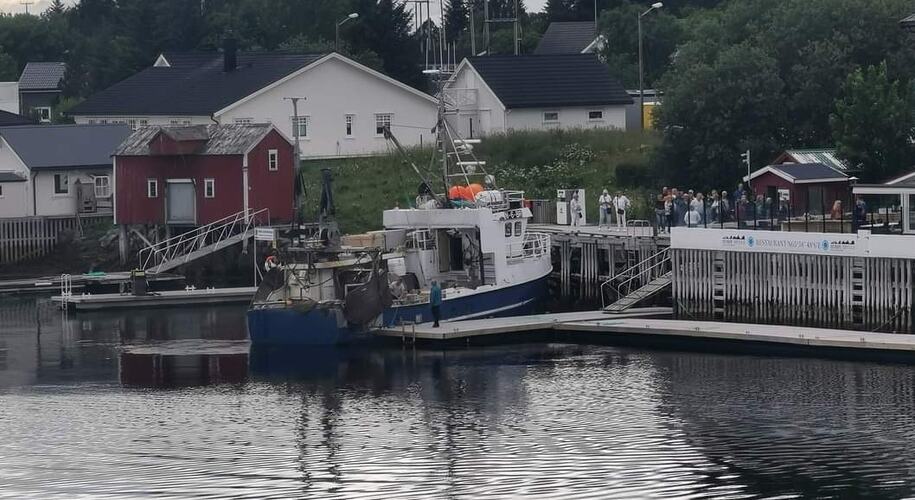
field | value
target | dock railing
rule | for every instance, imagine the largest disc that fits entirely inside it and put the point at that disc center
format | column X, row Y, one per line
column 185, row 247
column 642, row 273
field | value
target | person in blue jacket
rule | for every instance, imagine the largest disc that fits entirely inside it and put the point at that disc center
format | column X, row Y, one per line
column 435, row 300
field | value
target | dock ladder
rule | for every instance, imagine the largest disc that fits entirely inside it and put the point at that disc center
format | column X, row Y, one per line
column 202, row 241
column 641, row 281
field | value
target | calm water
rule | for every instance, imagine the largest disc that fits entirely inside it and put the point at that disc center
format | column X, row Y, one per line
column 163, row 404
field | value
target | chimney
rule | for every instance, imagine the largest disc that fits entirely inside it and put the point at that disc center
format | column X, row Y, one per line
column 229, row 53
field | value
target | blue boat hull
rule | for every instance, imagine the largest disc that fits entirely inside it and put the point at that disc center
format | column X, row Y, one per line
column 287, row 326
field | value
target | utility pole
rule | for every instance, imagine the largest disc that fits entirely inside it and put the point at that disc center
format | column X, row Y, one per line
column 26, row 6
column 473, row 32
column 486, row 25
column 515, row 25
column 298, row 155
column 746, row 161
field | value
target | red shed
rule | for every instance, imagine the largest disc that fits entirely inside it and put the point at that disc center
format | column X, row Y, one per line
column 808, row 187
column 194, row 175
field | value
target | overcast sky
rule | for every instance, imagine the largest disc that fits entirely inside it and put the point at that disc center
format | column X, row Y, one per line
column 15, row 6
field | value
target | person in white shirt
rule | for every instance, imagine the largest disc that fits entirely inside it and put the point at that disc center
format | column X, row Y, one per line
column 622, row 206
column 575, row 210
column 605, row 202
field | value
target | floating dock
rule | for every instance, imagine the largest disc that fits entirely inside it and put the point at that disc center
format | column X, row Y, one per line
column 644, row 326
column 175, row 298
column 47, row 284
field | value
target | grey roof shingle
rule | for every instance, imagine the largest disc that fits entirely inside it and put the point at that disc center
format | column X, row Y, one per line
column 8, row 119
column 65, row 146
column 908, row 22
column 809, row 171
column 194, row 83
column 828, row 157
column 532, row 81
column 566, row 38
column 235, row 139
column 42, row 76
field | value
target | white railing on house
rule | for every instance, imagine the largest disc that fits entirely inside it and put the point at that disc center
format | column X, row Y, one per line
column 533, row 245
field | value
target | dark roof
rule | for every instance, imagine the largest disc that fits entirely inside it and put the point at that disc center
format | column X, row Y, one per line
column 65, row 146
column 809, row 171
column 566, row 38
column 11, row 177
column 8, row 119
column 235, row 139
column 193, row 84
column 827, row 157
column 42, row 76
column 909, row 22
column 532, row 81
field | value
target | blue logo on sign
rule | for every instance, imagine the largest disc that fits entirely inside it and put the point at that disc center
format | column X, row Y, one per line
column 751, row 241
column 825, row 245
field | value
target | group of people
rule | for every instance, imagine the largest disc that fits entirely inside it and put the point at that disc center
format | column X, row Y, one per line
column 613, row 208
column 689, row 208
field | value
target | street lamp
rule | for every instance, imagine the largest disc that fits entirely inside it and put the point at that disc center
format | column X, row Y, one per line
column 354, row 15
column 654, row 6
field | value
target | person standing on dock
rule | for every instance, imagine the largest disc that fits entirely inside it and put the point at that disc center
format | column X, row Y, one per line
column 605, row 202
column 435, row 300
column 622, row 206
column 575, row 210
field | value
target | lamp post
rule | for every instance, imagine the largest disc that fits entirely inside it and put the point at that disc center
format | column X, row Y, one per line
column 654, row 6
column 341, row 22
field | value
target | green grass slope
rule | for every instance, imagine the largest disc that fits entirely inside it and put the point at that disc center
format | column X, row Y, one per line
column 535, row 162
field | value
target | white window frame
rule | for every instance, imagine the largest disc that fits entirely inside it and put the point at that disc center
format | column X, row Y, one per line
column 598, row 119
column 132, row 123
column 349, row 124
column 244, row 121
column 209, row 187
column 41, row 110
column 273, row 160
column 383, row 119
column 303, row 119
column 547, row 121
column 66, row 178
column 152, row 188
column 103, row 191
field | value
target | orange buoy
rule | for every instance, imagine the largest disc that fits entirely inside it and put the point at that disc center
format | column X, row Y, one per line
column 475, row 189
column 467, row 193
column 455, row 193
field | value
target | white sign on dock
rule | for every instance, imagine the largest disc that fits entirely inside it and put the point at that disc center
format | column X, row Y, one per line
column 264, row 234
column 861, row 244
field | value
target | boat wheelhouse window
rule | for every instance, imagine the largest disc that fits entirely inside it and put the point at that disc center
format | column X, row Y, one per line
column 508, row 229
column 518, row 228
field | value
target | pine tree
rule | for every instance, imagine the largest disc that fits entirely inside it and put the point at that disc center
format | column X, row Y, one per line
column 456, row 19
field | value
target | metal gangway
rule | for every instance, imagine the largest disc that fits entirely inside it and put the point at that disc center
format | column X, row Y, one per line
column 202, row 241
column 641, row 281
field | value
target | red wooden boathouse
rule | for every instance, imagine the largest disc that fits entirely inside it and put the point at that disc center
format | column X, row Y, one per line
column 195, row 175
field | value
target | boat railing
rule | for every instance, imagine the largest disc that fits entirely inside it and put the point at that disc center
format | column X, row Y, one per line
column 423, row 239
column 533, row 245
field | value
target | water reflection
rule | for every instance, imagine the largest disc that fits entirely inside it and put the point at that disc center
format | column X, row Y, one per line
column 171, row 404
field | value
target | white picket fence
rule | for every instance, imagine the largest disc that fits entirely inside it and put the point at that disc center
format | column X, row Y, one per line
column 27, row 238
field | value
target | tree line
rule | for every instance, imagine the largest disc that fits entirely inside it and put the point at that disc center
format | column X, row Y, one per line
column 761, row 75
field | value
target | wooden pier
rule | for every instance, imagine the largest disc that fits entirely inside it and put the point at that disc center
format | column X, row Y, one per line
column 850, row 281
column 175, row 298
column 46, row 284
column 584, row 257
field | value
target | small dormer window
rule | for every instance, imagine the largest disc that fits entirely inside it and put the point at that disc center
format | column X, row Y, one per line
column 162, row 62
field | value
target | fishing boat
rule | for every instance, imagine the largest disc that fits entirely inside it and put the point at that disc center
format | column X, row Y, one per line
column 471, row 236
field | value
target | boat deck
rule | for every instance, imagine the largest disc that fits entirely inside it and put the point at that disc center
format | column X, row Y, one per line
column 208, row 296
column 46, row 284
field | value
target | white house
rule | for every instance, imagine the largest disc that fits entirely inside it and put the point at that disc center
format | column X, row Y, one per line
column 496, row 94
column 57, row 170
column 345, row 108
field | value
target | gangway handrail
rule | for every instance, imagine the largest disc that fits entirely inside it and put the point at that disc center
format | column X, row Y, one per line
column 214, row 233
column 663, row 255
